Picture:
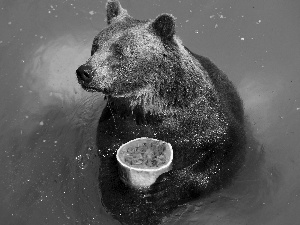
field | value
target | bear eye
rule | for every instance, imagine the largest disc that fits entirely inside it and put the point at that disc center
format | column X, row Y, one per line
column 94, row 49
column 118, row 50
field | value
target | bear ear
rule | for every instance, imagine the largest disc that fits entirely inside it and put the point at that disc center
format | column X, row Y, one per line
column 164, row 26
column 113, row 9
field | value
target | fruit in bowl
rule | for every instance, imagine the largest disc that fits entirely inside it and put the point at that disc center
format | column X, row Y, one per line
column 142, row 160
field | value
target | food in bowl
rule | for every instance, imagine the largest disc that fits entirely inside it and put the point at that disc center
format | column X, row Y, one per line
column 148, row 154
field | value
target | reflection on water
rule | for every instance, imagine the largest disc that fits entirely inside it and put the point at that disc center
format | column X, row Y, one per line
column 259, row 91
column 50, row 72
column 48, row 160
column 49, row 156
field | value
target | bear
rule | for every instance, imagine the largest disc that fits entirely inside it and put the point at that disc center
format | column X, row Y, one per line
column 156, row 87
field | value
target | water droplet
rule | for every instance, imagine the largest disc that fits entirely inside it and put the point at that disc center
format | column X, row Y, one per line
column 82, row 161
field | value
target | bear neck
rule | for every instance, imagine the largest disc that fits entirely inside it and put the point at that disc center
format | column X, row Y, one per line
column 171, row 97
column 148, row 101
column 187, row 82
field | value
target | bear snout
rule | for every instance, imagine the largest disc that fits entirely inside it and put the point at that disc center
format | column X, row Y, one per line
column 84, row 74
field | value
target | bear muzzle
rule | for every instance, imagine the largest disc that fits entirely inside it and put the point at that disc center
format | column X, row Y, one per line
column 90, row 82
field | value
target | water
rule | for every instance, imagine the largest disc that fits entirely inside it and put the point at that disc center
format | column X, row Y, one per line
column 48, row 161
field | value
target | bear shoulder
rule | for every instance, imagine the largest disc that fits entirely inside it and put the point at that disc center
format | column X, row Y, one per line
column 225, row 88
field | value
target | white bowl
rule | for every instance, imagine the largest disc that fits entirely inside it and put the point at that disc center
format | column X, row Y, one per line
column 143, row 177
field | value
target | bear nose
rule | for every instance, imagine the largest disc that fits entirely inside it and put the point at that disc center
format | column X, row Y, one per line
column 84, row 73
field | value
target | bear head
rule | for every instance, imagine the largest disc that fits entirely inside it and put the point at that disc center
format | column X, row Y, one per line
column 140, row 59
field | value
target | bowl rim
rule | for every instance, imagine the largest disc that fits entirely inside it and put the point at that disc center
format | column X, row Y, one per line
column 143, row 169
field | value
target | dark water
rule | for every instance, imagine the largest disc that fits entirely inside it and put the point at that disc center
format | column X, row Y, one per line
column 47, row 157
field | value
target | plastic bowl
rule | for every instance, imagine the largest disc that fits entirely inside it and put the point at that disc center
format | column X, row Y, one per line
column 142, row 176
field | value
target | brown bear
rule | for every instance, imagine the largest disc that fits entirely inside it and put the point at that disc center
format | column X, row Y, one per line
column 156, row 87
